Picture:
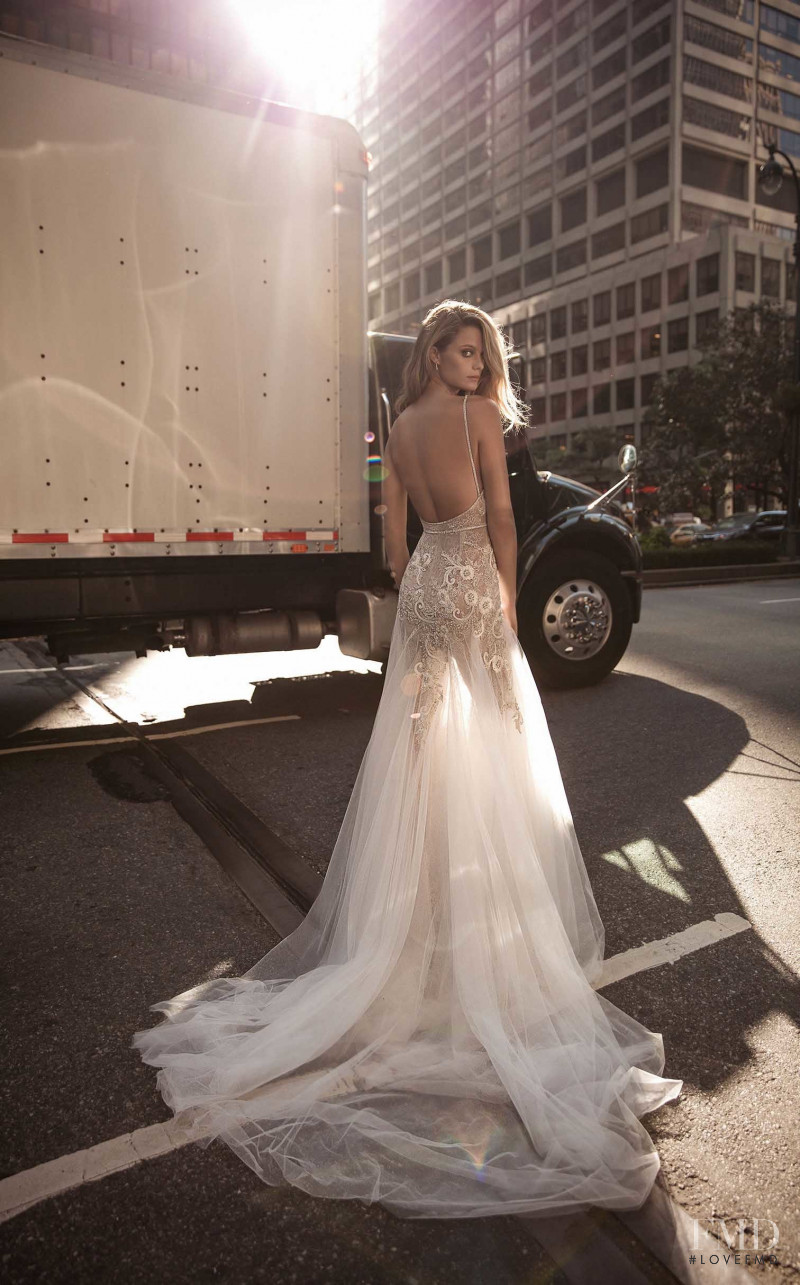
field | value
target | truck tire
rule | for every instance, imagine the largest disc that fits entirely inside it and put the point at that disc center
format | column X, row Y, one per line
column 574, row 619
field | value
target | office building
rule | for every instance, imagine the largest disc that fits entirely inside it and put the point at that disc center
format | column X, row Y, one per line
column 587, row 172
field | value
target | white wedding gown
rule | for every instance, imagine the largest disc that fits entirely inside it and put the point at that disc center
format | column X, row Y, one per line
column 429, row 1037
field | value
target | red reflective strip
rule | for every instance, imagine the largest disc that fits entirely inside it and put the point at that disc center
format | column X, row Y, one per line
column 114, row 537
column 209, row 535
column 46, row 537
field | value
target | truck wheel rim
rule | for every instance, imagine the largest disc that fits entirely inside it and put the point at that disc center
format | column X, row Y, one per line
column 577, row 619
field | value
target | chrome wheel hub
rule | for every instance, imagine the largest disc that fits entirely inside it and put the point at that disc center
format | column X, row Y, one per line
column 577, row 619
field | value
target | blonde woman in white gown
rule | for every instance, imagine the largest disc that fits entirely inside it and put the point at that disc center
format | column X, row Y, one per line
column 429, row 1037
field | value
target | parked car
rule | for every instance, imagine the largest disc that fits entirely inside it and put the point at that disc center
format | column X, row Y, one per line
column 674, row 520
column 688, row 532
column 768, row 525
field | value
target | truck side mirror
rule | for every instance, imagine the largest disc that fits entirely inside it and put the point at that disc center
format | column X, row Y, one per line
column 627, row 458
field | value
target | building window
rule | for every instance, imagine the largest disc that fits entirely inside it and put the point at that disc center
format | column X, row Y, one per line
column 651, row 292
column 722, row 41
column 537, row 370
column 708, row 274
column 678, row 284
column 625, row 348
column 651, row 223
column 711, row 116
column 538, row 269
column 482, row 254
column 601, row 354
column 610, row 31
column 652, row 172
column 573, row 209
column 558, row 407
column 781, row 24
column 651, row 118
column 626, row 301
column 540, row 80
column 611, row 141
column 678, row 335
column 609, row 241
column 579, row 398
column 540, row 225
column 571, row 129
column 745, row 272
column 558, row 322
column 507, row 282
column 601, row 308
column 509, row 238
column 571, row 94
column 647, row 82
column 541, row 115
column 392, row 293
column 714, row 172
column 433, row 276
column 570, row 164
column 649, row 342
column 601, row 399
column 779, row 62
column 626, row 394
column 538, row 327
column 696, row 71
column 558, row 366
column 612, row 66
column 610, row 192
column 538, row 407
column 457, row 265
column 609, row 106
column 649, row 41
column 571, row 256
column 580, row 315
column 579, row 360
column 705, row 326
column 699, row 218
column 572, row 59
column 771, row 278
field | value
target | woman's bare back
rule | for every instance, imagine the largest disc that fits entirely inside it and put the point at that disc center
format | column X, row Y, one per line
column 429, row 451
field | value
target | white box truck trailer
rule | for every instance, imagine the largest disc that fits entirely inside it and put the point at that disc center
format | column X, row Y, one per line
column 193, row 412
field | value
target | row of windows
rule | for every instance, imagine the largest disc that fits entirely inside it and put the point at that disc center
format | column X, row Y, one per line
column 565, row 258
column 553, row 323
column 653, row 340
column 598, row 400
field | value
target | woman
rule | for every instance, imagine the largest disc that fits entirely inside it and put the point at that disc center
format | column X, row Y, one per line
column 429, row 1037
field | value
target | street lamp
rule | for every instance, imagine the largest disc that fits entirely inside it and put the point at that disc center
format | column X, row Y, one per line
column 770, row 176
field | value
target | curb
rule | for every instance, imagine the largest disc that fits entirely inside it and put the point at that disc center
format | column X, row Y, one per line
column 667, row 577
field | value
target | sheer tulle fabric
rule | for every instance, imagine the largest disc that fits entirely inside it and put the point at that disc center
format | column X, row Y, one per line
column 429, row 1037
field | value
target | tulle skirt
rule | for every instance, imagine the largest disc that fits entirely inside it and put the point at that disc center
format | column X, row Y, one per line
column 430, row 1036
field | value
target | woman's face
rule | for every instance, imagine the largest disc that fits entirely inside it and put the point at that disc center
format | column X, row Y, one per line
column 461, row 362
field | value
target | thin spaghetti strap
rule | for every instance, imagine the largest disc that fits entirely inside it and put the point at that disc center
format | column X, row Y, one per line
column 469, row 448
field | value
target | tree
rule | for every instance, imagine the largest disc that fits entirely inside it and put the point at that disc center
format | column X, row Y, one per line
column 727, row 417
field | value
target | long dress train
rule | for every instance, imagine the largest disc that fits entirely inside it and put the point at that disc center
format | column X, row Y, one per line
column 429, row 1037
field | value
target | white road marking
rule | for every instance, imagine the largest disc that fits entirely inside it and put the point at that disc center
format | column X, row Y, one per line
column 22, row 1190
column 765, row 600
column 151, row 736
column 654, row 953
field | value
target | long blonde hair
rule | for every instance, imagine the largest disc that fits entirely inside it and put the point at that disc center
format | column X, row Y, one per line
column 439, row 327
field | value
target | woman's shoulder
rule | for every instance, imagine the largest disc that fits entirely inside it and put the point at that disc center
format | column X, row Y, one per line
column 485, row 410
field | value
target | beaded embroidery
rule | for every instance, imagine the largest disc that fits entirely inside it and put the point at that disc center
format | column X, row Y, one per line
column 451, row 589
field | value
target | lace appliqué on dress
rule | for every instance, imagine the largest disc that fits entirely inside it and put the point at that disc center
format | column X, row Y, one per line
column 451, row 590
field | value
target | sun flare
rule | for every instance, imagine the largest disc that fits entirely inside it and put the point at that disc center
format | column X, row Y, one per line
column 314, row 48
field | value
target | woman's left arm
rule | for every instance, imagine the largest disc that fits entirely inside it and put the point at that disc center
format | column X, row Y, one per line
column 395, row 517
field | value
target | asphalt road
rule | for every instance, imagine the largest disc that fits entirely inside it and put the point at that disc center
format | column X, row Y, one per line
column 682, row 771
